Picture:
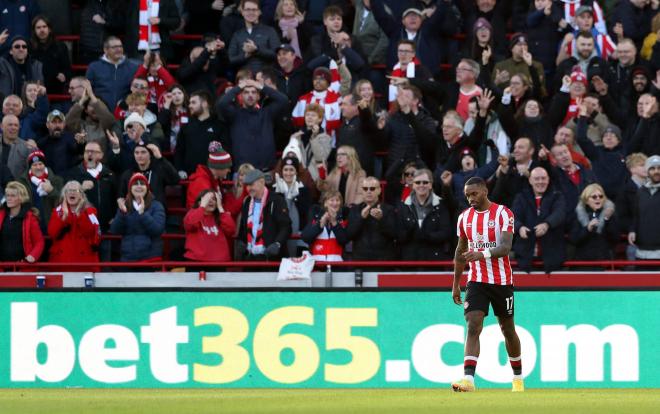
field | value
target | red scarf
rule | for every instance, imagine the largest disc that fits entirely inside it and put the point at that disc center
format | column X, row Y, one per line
column 398, row 73
column 38, row 180
column 149, row 37
column 572, row 112
column 259, row 242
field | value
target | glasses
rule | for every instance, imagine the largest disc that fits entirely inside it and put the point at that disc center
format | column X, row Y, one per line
column 75, row 87
column 342, row 154
column 409, row 174
column 115, row 46
column 369, row 188
column 596, row 196
column 20, row 46
column 72, row 191
column 140, row 86
column 421, row 182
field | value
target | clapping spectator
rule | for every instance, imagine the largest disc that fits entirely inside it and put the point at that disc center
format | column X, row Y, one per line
column 74, row 229
column 326, row 231
column 298, row 199
column 140, row 220
column 254, row 45
column 43, row 186
column 111, row 75
column 21, row 239
column 597, row 231
column 53, row 55
column 209, row 229
column 158, row 77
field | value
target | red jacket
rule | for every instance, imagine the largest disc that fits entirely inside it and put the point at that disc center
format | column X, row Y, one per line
column 76, row 238
column 202, row 179
column 158, row 85
column 33, row 239
column 204, row 241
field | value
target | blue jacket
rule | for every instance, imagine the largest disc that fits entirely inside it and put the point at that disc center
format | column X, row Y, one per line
column 18, row 19
column 141, row 233
column 33, row 122
column 111, row 82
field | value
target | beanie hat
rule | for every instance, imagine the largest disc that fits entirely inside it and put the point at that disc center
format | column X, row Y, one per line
column 517, row 38
column 652, row 161
column 614, row 130
column 138, row 177
column 219, row 159
column 467, row 151
column 292, row 161
column 579, row 77
column 36, row 156
column 133, row 118
column 482, row 23
column 325, row 72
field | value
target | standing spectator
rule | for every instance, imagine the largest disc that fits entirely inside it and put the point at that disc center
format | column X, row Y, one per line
column 194, row 137
column 111, row 75
column 140, row 220
column 60, row 148
column 482, row 49
column 494, row 11
column 53, row 55
column 597, row 231
column 254, row 45
column 291, row 22
column 620, row 72
column 89, row 117
column 520, row 63
column 34, row 110
column 626, row 200
column 292, row 77
column 137, row 104
column 298, row 200
column 199, row 70
column 17, row 18
column 148, row 26
column 209, row 229
column 632, row 18
column 543, row 24
column 424, row 222
column 647, row 135
column 359, row 130
column 644, row 232
column 366, row 31
column 21, row 239
column 251, row 126
column 18, row 68
column 345, row 177
column 150, row 162
column 469, row 168
column 158, row 77
column 596, row 120
column 372, row 225
column 139, row 85
column 584, row 23
column 173, row 115
column 74, row 229
column 323, row 95
column 407, row 67
column 326, row 230
column 98, row 20
column 467, row 73
column 13, row 150
column 540, row 213
column 43, row 186
column 513, row 176
column 135, row 133
column 99, row 184
column 265, row 225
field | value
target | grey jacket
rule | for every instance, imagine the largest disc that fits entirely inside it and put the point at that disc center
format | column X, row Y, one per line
column 8, row 83
column 266, row 39
column 17, row 161
column 372, row 38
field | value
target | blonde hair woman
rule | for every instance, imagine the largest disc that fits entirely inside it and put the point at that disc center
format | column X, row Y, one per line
column 20, row 235
column 346, row 176
column 596, row 232
column 290, row 20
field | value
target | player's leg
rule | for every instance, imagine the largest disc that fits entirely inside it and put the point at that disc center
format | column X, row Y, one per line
column 502, row 301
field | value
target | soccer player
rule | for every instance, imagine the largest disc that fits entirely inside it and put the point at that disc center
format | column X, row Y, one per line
column 485, row 232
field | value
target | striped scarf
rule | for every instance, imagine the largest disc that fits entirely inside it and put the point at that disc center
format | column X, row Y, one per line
column 398, row 73
column 256, row 246
column 149, row 37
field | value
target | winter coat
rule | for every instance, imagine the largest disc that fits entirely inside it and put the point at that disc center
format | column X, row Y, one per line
column 372, row 38
column 430, row 241
column 202, row 179
column 276, row 224
column 251, row 129
column 543, row 35
column 160, row 174
column 373, row 239
column 61, row 152
column 141, row 233
column 266, row 39
column 571, row 192
column 552, row 212
column 33, row 238
column 93, row 34
column 363, row 134
column 192, row 143
column 647, row 136
column 449, row 157
column 104, row 193
column 192, row 76
column 294, row 84
column 645, row 220
column 408, row 136
column 75, row 239
column 54, row 58
column 326, row 243
column 111, row 82
column 599, row 243
column 18, row 19
column 18, row 153
column 636, row 21
column 11, row 82
column 206, row 240
column 169, row 20
column 77, row 120
column 45, row 204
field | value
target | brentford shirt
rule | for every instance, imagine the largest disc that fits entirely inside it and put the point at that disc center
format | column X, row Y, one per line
column 483, row 230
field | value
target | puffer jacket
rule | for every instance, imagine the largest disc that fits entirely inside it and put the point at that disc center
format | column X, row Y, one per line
column 141, row 233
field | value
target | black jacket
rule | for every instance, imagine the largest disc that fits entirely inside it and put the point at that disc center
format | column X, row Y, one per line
column 373, row 239
column 104, row 193
column 169, row 20
column 647, row 136
column 508, row 185
column 192, row 143
column 363, row 134
column 646, row 224
column 449, row 157
column 55, row 59
column 276, row 225
column 405, row 133
column 61, row 152
column 313, row 228
column 552, row 212
column 431, row 240
column 160, row 173
column 192, row 75
column 591, row 245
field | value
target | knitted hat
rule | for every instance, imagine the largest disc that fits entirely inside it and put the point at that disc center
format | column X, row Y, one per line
column 133, row 118
column 482, row 23
column 641, row 70
column 138, row 177
column 652, row 161
column 36, row 156
column 292, row 147
column 579, row 77
column 219, row 159
column 467, row 152
column 325, row 72
column 292, row 161
column 517, row 38
column 614, row 130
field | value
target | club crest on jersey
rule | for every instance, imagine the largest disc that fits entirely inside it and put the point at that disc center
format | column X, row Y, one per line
column 491, row 224
column 480, row 237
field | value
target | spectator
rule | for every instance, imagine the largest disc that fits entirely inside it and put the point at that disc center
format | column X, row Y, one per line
column 482, row 48
column 14, row 151
column 89, row 118
column 75, row 91
column 148, row 26
column 265, row 225
column 429, row 34
column 544, row 24
column 467, row 73
column 633, row 18
column 399, row 186
column 74, row 229
column 251, row 126
column 98, row 20
column 173, row 115
column 359, row 130
column 597, row 122
column 99, row 184
column 199, row 70
column 111, row 75
column 294, row 31
column 372, row 225
column 345, row 177
column 627, row 199
column 644, row 232
column 367, row 32
column 292, row 76
column 326, row 230
column 540, row 213
column 43, row 186
column 298, row 199
column 566, row 136
column 21, row 239
column 424, row 222
column 32, row 119
column 323, row 95
column 620, row 71
column 135, row 133
column 583, row 21
column 53, row 55
column 469, row 169
column 16, row 21
column 648, row 51
column 520, row 90
column 158, row 77
column 18, row 67
column 364, row 89
column 407, row 67
column 597, row 230
column 254, row 45
column 528, row 120
column 140, row 220
column 495, row 136
column 314, row 145
column 139, row 85
column 195, row 136
column 647, row 135
column 150, row 162
column 493, row 11
column 520, row 63
column 137, row 104
column 60, row 148
column 513, row 176
column 209, row 229
column 563, row 106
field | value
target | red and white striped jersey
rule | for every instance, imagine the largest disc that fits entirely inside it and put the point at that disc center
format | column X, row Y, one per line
column 483, row 230
column 329, row 100
column 571, row 6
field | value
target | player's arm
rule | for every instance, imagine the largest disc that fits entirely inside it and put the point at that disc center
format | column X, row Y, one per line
column 506, row 241
column 459, row 267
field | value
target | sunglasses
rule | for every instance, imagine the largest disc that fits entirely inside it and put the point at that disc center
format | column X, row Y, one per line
column 369, row 188
column 424, row 182
column 596, row 196
column 20, row 46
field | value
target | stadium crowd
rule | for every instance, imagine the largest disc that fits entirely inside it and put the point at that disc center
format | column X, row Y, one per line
column 346, row 128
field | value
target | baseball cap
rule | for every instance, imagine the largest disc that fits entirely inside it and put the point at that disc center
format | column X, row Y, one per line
column 412, row 10
column 252, row 176
column 584, row 9
column 285, row 46
column 55, row 113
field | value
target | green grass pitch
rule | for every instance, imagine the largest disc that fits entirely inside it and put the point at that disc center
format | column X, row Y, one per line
column 164, row 401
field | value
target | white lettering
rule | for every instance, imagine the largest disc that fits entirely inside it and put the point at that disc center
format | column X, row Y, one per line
column 427, row 351
column 163, row 334
column 93, row 353
column 492, row 342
